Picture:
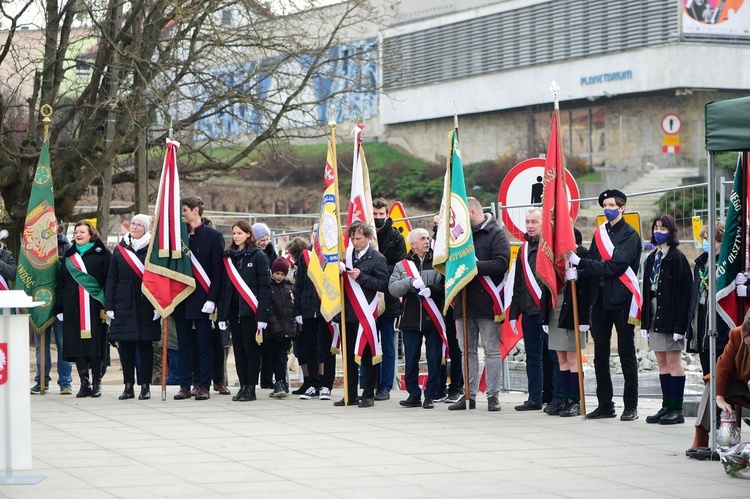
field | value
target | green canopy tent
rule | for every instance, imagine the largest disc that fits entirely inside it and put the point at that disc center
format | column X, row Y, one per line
column 727, row 129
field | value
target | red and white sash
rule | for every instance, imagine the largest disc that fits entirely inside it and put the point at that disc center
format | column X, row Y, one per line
column 531, row 284
column 332, row 326
column 366, row 312
column 200, row 274
column 132, row 260
column 628, row 279
column 240, row 285
column 430, row 306
column 496, row 293
column 4, row 284
column 84, row 303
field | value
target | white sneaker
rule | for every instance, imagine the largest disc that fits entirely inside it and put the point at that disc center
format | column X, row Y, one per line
column 311, row 393
column 325, row 393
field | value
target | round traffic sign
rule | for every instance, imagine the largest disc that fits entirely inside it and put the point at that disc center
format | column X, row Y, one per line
column 522, row 187
column 671, row 124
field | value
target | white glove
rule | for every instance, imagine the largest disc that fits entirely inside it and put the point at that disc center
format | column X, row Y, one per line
column 110, row 314
column 418, row 283
column 644, row 334
column 573, row 258
column 342, row 268
column 157, row 315
column 298, row 320
column 741, row 279
column 425, row 292
column 209, row 307
column 60, row 317
column 513, row 327
column 571, row 274
column 222, row 326
column 584, row 328
column 742, row 291
column 677, row 337
column 262, row 326
column 545, row 328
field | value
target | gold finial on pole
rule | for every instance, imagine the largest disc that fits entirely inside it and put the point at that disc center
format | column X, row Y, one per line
column 46, row 112
column 555, row 89
column 331, row 118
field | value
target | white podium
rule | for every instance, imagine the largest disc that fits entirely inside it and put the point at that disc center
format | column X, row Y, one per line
column 15, row 399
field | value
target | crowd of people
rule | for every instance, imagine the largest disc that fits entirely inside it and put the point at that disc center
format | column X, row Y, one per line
column 247, row 293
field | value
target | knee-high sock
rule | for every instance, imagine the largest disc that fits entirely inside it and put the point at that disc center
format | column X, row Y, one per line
column 565, row 382
column 575, row 392
column 678, row 391
column 665, row 380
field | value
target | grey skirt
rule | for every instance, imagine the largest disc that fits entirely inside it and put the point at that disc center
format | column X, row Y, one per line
column 663, row 342
column 564, row 340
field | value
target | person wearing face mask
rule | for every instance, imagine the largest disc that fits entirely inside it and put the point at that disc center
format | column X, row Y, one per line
column 264, row 239
column 611, row 275
column 135, row 323
column 697, row 337
column 664, row 320
column 392, row 246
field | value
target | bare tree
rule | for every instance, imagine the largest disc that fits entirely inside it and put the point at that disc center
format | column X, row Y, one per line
column 216, row 71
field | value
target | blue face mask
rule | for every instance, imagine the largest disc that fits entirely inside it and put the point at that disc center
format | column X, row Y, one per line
column 661, row 237
column 611, row 213
column 705, row 246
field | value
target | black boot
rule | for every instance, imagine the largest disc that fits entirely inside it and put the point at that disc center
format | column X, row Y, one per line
column 145, row 392
column 128, row 392
column 85, row 390
column 96, row 388
column 249, row 394
column 240, row 393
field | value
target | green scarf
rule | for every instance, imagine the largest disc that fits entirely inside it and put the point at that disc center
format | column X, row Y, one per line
column 84, row 248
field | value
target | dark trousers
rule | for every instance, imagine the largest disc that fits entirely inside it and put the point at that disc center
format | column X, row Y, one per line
column 412, row 354
column 352, row 368
column 601, row 330
column 246, row 350
column 84, row 362
column 145, row 352
column 266, row 366
column 317, row 341
column 279, row 354
column 219, row 362
column 187, row 343
column 454, row 353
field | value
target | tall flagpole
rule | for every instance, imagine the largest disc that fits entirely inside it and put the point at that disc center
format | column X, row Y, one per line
column 165, row 320
column 46, row 112
column 464, row 306
column 555, row 89
column 342, row 324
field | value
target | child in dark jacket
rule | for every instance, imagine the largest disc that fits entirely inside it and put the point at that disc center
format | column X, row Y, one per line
column 281, row 325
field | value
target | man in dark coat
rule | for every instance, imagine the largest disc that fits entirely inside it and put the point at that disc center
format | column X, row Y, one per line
column 392, row 246
column 492, row 252
column 207, row 245
column 611, row 302
column 370, row 272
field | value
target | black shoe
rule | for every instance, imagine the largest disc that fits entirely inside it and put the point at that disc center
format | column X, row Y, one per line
column 278, row 390
column 673, row 417
column 529, row 406
column 656, row 417
column 702, row 453
column 602, row 413
column 249, row 394
column 96, row 388
column 302, row 389
column 428, row 404
column 381, row 395
column 145, row 392
column 629, row 414
column 366, row 402
column 127, row 393
column 85, row 390
column 553, row 408
column 571, row 409
column 493, row 404
column 460, row 404
column 410, row 402
column 236, row 396
column 454, row 396
column 352, row 401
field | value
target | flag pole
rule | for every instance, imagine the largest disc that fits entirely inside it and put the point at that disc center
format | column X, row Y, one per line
column 46, row 111
column 165, row 321
column 464, row 306
column 342, row 324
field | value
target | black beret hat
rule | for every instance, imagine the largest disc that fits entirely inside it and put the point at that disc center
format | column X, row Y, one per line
column 612, row 193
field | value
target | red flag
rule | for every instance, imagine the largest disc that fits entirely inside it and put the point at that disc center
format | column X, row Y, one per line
column 168, row 276
column 557, row 238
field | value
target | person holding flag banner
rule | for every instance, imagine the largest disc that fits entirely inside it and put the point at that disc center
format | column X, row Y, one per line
column 470, row 247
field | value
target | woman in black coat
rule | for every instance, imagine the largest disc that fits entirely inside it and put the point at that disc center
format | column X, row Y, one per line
column 134, row 321
column 664, row 315
column 251, row 265
column 84, row 334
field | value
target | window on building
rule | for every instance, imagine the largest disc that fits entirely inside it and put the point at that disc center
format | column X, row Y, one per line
column 582, row 133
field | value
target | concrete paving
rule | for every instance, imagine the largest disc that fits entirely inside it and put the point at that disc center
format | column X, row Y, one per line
column 295, row 448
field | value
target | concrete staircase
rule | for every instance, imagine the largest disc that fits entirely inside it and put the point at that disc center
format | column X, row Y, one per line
column 644, row 180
